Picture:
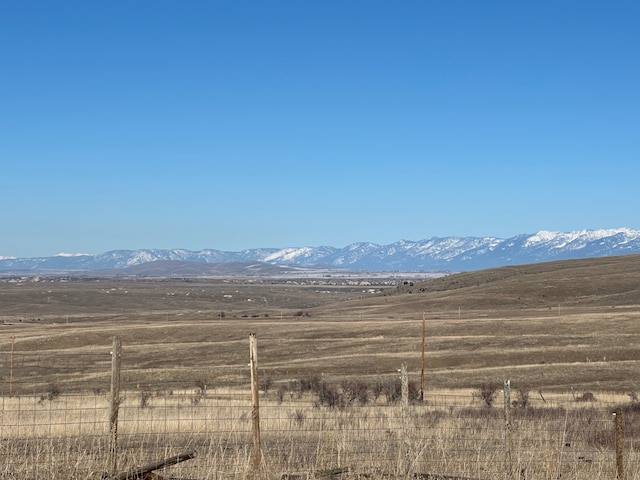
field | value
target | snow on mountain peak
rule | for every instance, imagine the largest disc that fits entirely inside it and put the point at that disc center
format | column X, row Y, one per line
column 286, row 254
column 580, row 237
column 449, row 253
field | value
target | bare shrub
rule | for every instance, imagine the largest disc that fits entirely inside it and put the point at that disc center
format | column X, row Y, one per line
column 200, row 391
column 522, row 398
column 414, row 392
column 145, row 396
column 53, row 392
column 298, row 417
column 201, row 384
column 280, row 392
column 487, row 393
column 377, row 390
column 355, row 391
column 265, row 384
column 586, row 397
column 393, row 391
column 311, row 383
column 330, row 396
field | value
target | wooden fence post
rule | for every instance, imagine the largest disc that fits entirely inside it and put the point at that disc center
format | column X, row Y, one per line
column 404, row 383
column 13, row 341
column 116, row 360
column 507, row 427
column 619, row 442
column 424, row 328
column 255, row 412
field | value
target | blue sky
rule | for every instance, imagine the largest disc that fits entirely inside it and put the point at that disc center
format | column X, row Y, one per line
column 243, row 124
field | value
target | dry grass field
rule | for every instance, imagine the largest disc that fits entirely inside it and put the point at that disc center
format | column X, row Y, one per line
column 554, row 326
column 557, row 331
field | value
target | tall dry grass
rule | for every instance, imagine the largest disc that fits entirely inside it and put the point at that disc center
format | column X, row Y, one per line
column 450, row 433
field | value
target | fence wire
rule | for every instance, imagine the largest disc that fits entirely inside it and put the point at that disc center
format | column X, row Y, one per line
column 56, row 411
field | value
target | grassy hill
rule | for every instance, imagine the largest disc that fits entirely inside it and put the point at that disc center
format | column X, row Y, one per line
column 606, row 282
column 559, row 325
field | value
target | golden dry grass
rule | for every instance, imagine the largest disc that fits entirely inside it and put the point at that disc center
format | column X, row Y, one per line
column 451, row 432
column 556, row 330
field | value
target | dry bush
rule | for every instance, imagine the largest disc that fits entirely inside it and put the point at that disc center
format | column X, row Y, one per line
column 487, row 393
column 145, row 397
column 586, row 397
column 522, row 398
column 298, row 417
column 311, row 383
column 330, row 396
column 355, row 391
column 53, row 392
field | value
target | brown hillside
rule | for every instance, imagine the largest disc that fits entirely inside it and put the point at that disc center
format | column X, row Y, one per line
column 596, row 282
column 558, row 325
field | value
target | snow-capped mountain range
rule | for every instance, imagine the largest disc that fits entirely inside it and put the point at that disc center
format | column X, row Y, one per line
column 434, row 254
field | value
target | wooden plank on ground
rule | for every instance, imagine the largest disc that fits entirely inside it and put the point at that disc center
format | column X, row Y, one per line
column 146, row 471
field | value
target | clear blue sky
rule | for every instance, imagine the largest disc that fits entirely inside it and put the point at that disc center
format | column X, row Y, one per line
column 242, row 124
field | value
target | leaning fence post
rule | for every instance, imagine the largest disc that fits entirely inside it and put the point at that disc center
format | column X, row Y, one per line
column 255, row 412
column 507, row 426
column 116, row 359
column 619, row 442
column 404, row 383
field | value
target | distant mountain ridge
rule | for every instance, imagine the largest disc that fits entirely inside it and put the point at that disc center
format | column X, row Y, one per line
column 447, row 253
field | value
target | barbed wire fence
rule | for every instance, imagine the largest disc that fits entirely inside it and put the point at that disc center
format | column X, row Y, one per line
column 63, row 416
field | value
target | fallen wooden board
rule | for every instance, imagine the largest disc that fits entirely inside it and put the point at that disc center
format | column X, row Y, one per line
column 438, row 476
column 146, row 471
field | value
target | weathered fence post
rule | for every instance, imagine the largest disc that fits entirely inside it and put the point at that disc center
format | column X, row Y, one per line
column 116, row 360
column 507, row 427
column 619, row 442
column 255, row 412
column 424, row 328
column 13, row 341
column 404, row 383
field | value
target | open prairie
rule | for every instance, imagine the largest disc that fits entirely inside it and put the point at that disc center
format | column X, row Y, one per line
column 566, row 334
column 553, row 326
